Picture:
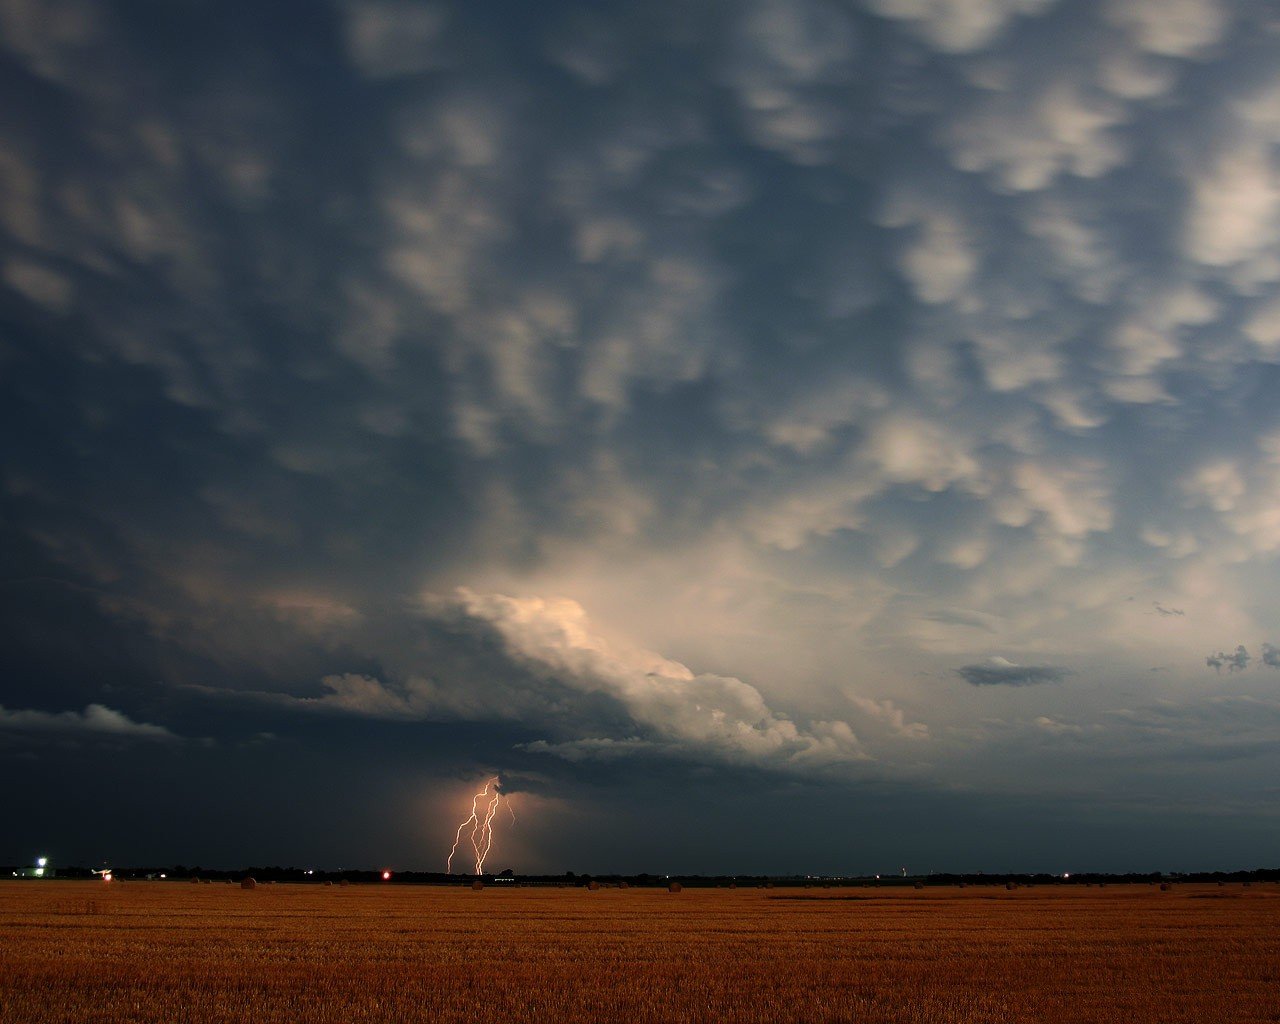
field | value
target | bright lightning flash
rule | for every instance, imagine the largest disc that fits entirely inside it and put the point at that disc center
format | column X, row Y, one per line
column 484, row 805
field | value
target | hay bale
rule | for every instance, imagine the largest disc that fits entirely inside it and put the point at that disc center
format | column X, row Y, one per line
column 673, row 887
column 918, row 885
column 1010, row 886
column 1164, row 886
column 768, row 885
column 248, row 883
column 194, row 880
column 345, row 881
column 593, row 886
column 624, row 885
column 477, row 885
column 327, row 882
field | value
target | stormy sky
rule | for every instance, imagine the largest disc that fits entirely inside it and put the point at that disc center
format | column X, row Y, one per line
column 773, row 435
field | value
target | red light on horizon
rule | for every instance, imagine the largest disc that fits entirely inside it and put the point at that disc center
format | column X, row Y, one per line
column 386, row 876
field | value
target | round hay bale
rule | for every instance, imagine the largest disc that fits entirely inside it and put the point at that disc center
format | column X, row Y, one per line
column 673, row 887
column 733, row 885
column 1010, row 886
column 477, row 885
column 345, row 881
column 624, row 885
column 768, row 885
column 593, row 886
column 194, row 880
column 1164, row 886
column 918, row 885
column 964, row 885
column 248, row 883
column 327, row 882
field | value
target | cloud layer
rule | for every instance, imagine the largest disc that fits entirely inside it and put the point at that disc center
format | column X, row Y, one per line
column 823, row 347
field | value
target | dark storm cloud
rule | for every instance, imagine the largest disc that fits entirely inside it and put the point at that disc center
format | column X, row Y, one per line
column 1271, row 655
column 998, row 672
column 869, row 318
column 1237, row 661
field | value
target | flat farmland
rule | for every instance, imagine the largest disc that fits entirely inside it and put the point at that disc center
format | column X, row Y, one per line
column 168, row 952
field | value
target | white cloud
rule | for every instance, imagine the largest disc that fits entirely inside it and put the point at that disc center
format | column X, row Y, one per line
column 819, row 507
column 784, row 52
column 1062, row 502
column 809, row 422
column 891, row 716
column 588, row 47
column 958, row 26
column 39, row 283
column 1172, row 28
column 50, row 36
column 909, row 449
column 1263, row 327
column 1150, row 338
column 1234, row 206
column 702, row 714
column 391, row 38
column 95, row 720
column 1027, row 139
column 937, row 256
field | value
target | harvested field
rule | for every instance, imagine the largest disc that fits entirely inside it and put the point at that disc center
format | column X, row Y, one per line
column 166, row 952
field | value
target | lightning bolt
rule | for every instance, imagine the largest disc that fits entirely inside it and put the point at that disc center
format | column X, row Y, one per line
column 484, row 806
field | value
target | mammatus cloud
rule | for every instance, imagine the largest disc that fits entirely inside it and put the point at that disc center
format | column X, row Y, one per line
column 891, row 319
column 1236, row 662
column 96, row 719
column 1000, row 672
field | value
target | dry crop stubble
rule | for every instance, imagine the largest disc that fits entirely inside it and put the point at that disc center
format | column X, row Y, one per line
column 166, row 952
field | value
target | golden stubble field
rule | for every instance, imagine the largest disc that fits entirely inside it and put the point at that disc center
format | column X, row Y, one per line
column 169, row 952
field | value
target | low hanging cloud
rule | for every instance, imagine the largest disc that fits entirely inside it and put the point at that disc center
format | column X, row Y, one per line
column 96, row 719
column 1240, row 659
column 1235, row 662
column 1001, row 672
column 541, row 662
